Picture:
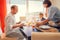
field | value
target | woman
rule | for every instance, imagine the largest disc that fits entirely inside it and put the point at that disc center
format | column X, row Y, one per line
column 53, row 13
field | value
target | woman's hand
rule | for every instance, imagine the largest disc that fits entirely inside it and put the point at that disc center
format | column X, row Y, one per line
column 39, row 24
column 51, row 23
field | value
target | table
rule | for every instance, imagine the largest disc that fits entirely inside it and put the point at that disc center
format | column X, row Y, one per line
column 48, row 30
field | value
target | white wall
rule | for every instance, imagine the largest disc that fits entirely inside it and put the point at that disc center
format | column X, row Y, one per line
column 0, row 31
column 56, row 3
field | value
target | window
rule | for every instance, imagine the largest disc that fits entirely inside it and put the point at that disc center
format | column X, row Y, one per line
column 27, row 8
column 34, row 7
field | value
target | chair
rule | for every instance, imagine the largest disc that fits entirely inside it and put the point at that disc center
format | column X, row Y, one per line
column 45, row 36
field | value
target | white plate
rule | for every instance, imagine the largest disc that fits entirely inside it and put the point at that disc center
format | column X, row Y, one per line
column 45, row 27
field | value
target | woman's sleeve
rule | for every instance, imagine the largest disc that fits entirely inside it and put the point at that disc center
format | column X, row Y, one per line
column 51, row 12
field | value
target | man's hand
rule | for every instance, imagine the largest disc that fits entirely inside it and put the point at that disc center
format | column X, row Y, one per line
column 21, row 25
column 18, row 25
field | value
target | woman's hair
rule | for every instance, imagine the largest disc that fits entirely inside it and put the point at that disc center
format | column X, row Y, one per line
column 47, row 2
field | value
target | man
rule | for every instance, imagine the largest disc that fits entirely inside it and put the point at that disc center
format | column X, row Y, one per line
column 12, row 28
column 53, row 14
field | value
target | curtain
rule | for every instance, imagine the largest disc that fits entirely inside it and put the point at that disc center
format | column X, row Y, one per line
column 2, row 13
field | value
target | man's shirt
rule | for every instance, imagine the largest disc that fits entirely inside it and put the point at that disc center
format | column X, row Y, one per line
column 9, row 21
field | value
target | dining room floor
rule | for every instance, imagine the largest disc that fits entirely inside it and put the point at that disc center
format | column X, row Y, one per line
column 10, row 39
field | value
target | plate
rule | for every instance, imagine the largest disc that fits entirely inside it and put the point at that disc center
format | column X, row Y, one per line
column 45, row 27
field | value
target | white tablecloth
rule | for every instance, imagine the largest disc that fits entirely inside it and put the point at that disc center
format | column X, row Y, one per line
column 28, row 30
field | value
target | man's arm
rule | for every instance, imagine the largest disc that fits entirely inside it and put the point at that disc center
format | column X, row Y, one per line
column 11, row 24
column 17, row 25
